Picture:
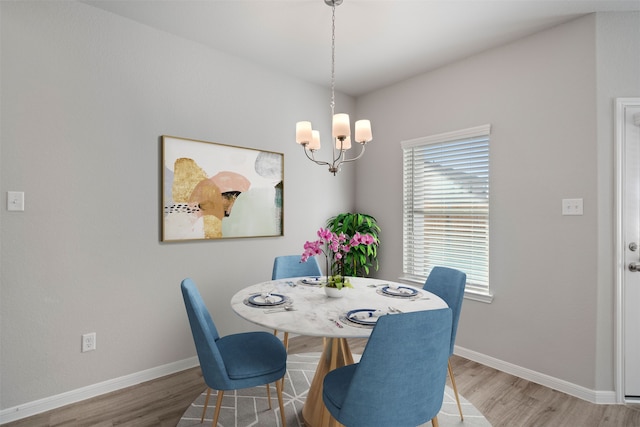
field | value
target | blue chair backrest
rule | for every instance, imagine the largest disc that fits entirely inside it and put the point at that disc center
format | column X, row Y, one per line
column 205, row 336
column 448, row 284
column 401, row 376
column 290, row 266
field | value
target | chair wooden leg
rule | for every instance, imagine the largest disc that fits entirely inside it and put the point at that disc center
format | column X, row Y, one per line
column 269, row 395
column 206, row 402
column 216, row 414
column 455, row 389
column 281, row 403
column 286, row 347
column 434, row 421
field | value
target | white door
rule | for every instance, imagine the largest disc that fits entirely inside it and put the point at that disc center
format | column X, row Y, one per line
column 629, row 138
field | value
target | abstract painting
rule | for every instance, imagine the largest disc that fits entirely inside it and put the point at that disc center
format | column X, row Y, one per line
column 218, row 191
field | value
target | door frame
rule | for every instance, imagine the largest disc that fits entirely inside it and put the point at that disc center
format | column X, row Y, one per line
column 620, row 144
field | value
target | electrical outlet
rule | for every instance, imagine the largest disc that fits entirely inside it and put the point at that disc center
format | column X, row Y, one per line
column 88, row 342
column 572, row 207
column 15, row 201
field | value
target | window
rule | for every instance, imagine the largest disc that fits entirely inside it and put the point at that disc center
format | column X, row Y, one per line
column 446, row 207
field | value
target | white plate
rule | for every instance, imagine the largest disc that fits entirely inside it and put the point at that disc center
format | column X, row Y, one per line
column 271, row 300
column 313, row 281
column 400, row 291
column 370, row 320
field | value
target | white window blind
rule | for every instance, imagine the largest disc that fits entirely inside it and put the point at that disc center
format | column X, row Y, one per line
column 446, row 207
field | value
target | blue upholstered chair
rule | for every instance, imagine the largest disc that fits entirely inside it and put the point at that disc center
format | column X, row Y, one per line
column 286, row 266
column 401, row 376
column 448, row 284
column 234, row 361
column 290, row 266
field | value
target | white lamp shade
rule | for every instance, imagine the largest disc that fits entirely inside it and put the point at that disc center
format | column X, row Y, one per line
column 315, row 141
column 344, row 145
column 303, row 133
column 341, row 125
column 363, row 131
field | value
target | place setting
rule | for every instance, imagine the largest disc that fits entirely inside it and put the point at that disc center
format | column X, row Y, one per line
column 366, row 317
column 268, row 300
column 313, row 281
column 398, row 291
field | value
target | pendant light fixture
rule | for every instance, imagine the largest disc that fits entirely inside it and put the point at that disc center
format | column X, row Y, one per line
column 341, row 127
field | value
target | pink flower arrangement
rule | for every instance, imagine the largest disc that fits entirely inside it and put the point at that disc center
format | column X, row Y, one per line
column 336, row 246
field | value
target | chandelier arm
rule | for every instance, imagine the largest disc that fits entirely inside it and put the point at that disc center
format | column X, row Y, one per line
column 345, row 160
column 312, row 158
column 337, row 159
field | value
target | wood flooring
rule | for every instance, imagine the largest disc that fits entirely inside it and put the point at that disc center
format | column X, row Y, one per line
column 505, row 400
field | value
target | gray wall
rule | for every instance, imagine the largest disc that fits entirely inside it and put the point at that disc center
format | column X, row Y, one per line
column 618, row 76
column 549, row 99
column 85, row 97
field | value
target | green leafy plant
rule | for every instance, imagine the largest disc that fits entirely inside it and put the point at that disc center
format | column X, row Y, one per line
column 360, row 259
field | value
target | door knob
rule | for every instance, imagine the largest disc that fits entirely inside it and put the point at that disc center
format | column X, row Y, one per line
column 634, row 266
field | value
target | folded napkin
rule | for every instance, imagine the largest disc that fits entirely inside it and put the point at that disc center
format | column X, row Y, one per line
column 267, row 297
column 399, row 290
column 368, row 315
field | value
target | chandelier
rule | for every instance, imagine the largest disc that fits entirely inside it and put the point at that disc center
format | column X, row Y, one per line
column 341, row 127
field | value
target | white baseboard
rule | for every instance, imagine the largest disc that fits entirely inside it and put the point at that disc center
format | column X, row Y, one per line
column 593, row 396
column 73, row 396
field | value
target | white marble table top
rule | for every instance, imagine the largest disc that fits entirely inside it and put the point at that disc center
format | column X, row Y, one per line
column 313, row 308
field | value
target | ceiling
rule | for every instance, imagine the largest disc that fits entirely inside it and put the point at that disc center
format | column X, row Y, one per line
column 377, row 42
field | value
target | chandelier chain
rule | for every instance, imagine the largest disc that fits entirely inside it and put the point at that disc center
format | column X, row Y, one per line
column 333, row 58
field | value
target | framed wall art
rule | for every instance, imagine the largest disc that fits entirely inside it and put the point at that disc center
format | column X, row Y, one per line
column 217, row 191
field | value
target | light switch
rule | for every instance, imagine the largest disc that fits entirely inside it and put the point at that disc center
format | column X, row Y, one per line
column 572, row 207
column 15, row 200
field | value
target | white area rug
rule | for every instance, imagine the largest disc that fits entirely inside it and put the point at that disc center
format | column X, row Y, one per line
column 249, row 407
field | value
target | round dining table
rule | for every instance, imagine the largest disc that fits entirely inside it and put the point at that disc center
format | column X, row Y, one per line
column 301, row 306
